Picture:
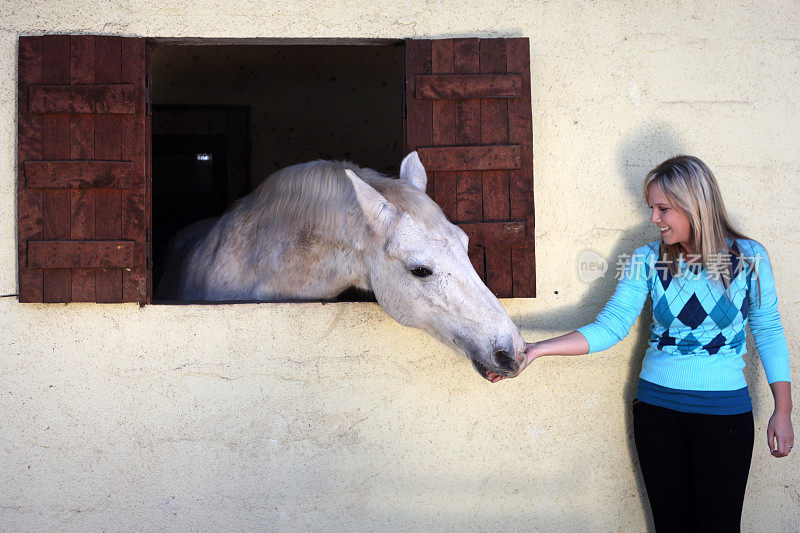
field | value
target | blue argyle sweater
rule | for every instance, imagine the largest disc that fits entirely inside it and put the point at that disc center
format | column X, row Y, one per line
column 697, row 337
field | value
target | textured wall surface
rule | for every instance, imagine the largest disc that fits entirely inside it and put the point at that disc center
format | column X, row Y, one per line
column 277, row 416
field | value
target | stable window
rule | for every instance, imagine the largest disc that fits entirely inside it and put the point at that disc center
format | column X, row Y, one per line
column 93, row 221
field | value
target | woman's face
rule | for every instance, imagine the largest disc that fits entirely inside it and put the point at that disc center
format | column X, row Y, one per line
column 671, row 220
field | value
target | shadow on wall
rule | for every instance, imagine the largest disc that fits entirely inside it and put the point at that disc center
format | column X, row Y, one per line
column 639, row 151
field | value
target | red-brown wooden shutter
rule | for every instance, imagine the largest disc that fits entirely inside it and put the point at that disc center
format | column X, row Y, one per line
column 468, row 114
column 83, row 175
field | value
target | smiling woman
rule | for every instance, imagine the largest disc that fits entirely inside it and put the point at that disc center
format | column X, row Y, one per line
column 670, row 219
column 687, row 207
column 693, row 419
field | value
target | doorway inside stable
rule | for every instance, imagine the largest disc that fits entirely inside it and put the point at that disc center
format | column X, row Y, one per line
column 224, row 117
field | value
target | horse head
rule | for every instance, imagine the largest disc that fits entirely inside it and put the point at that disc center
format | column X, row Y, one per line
column 420, row 273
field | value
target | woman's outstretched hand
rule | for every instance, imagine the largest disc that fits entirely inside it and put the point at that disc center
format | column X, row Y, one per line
column 528, row 355
column 573, row 343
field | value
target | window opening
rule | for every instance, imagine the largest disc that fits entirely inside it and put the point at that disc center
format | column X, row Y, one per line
column 226, row 116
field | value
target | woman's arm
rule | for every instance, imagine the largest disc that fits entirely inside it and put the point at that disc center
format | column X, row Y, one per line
column 767, row 330
column 780, row 423
column 612, row 324
column 570, row 344
column 765, row 319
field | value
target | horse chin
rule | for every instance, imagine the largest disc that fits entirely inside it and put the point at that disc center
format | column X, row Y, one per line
column 496, row 361
column 481, row 369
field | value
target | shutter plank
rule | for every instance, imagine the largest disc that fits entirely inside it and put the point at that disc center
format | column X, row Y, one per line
column 80, row 174
column 419, row 114
column 30, row 220
column 418, row 124
column 444, row 129
column 115, row 99
column 499, row 275
column 81, row 71
column 494, row 130
column 452, row 87
column 55, row 64
column 82, row 218
column 135, row 211
column 56, row 205
column 108, row 137
column 81, row 129
column 108, row 146
column 56, row 210
column 56, row 138
column 56, row 214
column 468, row 112
column 446, row 193
column 505, row 233
column 456, row 158
column 108, row 225
column 29, row 146
column 521, row 180
column 65, row 254
column 82, row 148
column 477, row 256
column 469, row 203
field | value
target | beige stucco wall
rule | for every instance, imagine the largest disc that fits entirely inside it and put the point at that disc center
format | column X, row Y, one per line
column 253, row 417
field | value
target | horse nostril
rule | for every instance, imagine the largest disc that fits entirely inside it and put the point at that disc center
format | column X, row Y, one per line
column 504, row 360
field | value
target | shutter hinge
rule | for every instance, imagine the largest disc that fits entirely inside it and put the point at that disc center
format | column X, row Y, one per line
column 403, row 111
column 149, row 248
column 147, row 96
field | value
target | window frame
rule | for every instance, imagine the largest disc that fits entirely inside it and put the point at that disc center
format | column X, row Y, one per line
column 450, row 86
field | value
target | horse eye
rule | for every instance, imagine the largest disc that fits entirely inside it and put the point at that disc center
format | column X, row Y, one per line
column 421, row 272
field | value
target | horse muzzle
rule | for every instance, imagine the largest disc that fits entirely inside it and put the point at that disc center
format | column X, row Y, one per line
column 502, row 362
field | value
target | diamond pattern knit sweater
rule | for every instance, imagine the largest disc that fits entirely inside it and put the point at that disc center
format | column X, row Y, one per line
column 697, row 337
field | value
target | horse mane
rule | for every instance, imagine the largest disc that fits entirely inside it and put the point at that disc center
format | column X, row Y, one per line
column 318, row 194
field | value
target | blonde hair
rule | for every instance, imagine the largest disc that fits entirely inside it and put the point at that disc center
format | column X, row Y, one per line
column 691, row 187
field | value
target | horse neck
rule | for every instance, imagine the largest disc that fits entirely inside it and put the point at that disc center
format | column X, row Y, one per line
column 310, row 237
column 339, row 260
column 317, row 260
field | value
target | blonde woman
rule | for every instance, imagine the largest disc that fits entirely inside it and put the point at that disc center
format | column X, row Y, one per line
column 692, row 416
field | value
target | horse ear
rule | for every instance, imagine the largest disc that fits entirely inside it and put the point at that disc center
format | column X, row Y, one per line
column 377, row 209
column 412, row 171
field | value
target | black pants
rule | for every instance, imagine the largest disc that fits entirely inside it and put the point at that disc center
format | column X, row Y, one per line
column 695, row 466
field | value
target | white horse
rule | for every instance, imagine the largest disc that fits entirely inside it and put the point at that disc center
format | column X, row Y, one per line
column 312, row 230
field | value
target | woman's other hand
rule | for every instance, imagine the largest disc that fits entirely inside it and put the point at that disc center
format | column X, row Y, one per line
column 780, row 423
column 780, row 429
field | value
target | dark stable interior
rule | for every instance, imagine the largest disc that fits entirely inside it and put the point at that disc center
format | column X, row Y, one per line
column 225, row 117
